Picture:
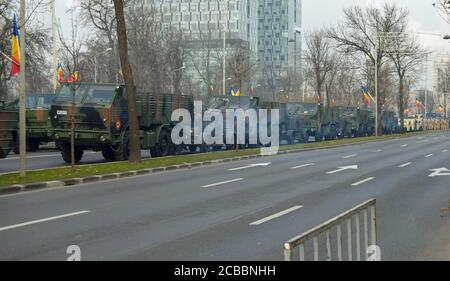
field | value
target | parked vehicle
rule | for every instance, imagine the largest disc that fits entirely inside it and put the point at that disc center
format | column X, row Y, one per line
column 100, row 119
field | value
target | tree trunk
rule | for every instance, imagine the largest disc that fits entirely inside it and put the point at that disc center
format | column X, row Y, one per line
column 135, row 149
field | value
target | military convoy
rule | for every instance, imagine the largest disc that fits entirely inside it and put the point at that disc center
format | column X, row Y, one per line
column 99, row 116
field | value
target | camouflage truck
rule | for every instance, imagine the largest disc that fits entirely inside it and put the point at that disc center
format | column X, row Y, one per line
column 100, row 118
column 9, row 121
column 223, row 103
column 37, row 106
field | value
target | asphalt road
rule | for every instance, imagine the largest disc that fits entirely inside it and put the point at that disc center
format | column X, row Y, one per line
column 226, row 211
column 51, row 159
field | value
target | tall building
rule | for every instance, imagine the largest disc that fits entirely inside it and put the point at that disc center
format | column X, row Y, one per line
column 201, row 20
column 441, row 81
column 279, row 42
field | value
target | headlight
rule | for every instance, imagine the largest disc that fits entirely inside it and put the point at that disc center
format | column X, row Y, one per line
column 118, row 125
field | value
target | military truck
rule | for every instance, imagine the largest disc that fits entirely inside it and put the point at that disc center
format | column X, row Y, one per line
column 9, row 121
column 37, row 106
column 99, row 113
column 224, row 103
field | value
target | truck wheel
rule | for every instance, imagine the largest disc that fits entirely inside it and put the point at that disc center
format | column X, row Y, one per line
column 66, row 153
column 162, row 148
column 108, row 153
column 32, row 145
column 123, row 151
column 15, row 144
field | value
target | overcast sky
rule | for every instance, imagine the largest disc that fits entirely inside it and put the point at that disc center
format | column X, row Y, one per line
column 317, row 13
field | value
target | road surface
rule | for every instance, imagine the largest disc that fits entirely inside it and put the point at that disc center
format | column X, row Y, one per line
column 241, row 210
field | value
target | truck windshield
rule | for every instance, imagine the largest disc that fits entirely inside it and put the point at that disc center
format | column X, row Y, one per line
column 100, row 95
column 218, row 103
column 309, row 109
column 65, row 94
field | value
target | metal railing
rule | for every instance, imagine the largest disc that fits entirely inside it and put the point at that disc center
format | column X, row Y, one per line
column 367, row 209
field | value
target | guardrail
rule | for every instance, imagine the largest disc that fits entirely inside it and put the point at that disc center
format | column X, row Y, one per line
column 367, row 209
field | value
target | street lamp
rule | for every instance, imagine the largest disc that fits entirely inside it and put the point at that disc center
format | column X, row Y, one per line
column 173, row 76
column 95, row 62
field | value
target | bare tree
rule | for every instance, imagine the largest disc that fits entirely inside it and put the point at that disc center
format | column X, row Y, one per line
column 359, row 33
column 70, row 47
column 135, row 150
column 100, row 15
column 38, row 79
column 321, row 64
column 443, row 8
column 241, row 67
column 406, row 55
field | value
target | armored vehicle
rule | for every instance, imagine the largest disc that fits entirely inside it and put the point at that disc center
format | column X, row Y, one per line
column 99, row 115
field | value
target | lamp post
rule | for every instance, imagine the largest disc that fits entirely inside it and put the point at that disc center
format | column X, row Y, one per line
column 95, row 62
column 224, row 61
column 173, row 76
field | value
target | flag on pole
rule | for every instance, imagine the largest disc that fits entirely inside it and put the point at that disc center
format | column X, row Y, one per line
column 74, row 77
column 15, row 49
column 60, row 73
column 366, row 96
column 419, row 104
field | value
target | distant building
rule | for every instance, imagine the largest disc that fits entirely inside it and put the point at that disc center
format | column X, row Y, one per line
column 279, row 45
column 201, row 20
column 441, row 81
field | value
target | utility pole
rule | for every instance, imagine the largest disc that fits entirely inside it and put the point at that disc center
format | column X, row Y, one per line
column 224, row 61
column 22, row 112
column 55, row 71
column 376, row 88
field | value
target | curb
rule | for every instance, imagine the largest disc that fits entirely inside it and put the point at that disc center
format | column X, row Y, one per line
column 19, row 188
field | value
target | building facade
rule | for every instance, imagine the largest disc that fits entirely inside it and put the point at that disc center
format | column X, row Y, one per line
column 279, row 39
column 441, row 80
column 201, row 20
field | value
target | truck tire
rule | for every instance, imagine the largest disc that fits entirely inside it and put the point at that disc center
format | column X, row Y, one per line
column 162, row 148
column 108, row 153
column 122, row 153
column 66, row 153
column 32, row 145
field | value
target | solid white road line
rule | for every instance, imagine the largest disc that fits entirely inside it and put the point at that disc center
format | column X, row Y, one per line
column 350, row 156
column 277, row 215
column 429, row 155
column 363, row 181
column 405, row 165
column 377, row 151
column 303, row 166
column 405, row 145
column 222, row 183
column 43, row 220
column 43, row 156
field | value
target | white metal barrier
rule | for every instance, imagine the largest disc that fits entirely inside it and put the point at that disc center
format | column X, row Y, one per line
column 345, row 219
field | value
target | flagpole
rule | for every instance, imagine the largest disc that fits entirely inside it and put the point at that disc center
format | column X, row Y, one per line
column 22, row 112
column 55, row 71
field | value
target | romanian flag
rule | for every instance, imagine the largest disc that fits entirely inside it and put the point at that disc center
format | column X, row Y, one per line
column 60, row 73
column 419, row 105
column 15, row 49
column 73, row 77
column 366, row 96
